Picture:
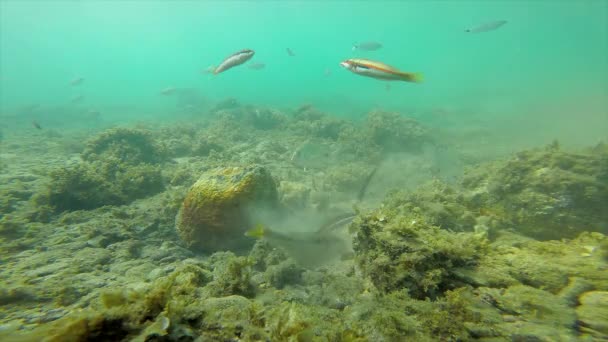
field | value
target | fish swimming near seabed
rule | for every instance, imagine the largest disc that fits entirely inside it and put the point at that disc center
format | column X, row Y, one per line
column 379, row 70
column 367, row 46
column 233, row 60
column 486, row 27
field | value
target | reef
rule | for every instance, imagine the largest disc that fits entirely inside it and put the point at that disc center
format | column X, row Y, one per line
column 215, row 213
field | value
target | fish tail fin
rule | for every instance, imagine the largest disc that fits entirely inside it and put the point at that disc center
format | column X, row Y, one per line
column 257, row 232
column 415, row 77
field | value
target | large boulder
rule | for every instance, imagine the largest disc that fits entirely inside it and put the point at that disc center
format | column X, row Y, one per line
column 217, row 210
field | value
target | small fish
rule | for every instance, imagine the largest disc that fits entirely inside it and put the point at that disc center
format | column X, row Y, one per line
column 367, row 46
column 256, row 66
column 77, row 81
column 233, row 60
column 167, row 91
column 378, row 70
column 36, row 124
column 489, row 26
column 290, row 52
column 77, row 98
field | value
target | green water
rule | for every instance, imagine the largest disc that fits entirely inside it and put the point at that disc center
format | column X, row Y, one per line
column 549, row 61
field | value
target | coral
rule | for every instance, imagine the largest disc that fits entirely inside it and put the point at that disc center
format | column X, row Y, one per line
column 125, row 145
column 215, row 212
column 545, row 194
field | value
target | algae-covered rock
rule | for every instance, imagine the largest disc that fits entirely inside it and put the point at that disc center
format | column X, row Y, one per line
column 438, row 203
column 545, row 194
column 294, row 196
column 398, row 249
column 92, row 185
column 394, row 132
column 216, row 211
column 231, row 276
column 131, row 146
column 593, row 314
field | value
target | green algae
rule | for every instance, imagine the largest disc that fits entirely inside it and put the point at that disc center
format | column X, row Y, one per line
column 90, row 185
column 125, row 145
column 398, row 249
column 544, row 193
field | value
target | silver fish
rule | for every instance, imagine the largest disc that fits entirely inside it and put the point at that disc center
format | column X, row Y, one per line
column 256, row 66
column 77, row 81
column 233, row 60
column 167, row 91
column 367, row 46
column 489, row 26
column 77, row 98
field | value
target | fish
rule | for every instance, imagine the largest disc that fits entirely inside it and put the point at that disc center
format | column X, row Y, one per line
column 233, row 60
column 77, row 98
column 167, row 91
column 36, row 124
column 367, row 46
column 209, row 70
column 489, row 26
column 290, row 52
column 378, row 70
column 77, row 81
column 256, row 66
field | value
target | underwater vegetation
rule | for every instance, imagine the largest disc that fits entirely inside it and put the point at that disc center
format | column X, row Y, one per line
column 544, row 193
column 118, row 166
column 142, row 238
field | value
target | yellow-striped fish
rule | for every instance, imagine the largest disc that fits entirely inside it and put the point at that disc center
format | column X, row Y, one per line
column 378, row 70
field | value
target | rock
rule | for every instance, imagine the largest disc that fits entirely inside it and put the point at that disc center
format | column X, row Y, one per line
column 216, row 211
column 230, row 309
column 545, row 194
